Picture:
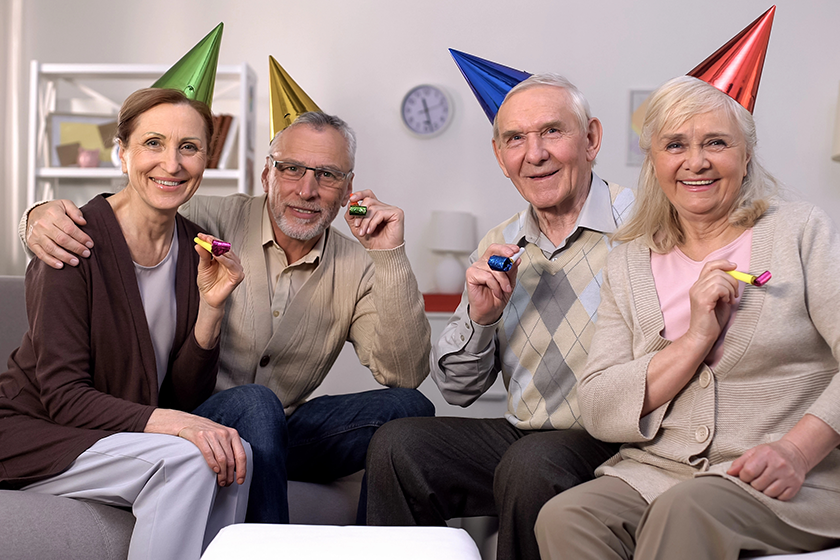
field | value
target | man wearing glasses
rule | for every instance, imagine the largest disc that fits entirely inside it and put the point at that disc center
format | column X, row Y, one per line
column 307, row 290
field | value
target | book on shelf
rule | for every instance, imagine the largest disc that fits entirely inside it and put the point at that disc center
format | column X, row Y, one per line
column 221, row 126
column 227, row 159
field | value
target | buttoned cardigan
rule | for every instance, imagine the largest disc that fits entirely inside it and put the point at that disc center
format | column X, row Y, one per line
column 369, row 298
column 779, row 362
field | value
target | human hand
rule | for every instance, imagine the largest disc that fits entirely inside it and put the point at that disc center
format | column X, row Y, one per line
column 53, row 235
column 777, row 469
column 383, row 227
column 217, row 276
column 220, row 446
column 489, row 290
column 711, row 298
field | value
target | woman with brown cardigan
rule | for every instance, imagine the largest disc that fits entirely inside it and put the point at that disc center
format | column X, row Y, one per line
column 94, row 403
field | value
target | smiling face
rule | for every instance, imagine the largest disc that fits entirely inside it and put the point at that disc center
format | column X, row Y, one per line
column 700, row 165
column 301, row 210
column 542, row 149
column 165, row 156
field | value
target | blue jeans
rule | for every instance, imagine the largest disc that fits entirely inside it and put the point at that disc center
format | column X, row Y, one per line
column 322, row 440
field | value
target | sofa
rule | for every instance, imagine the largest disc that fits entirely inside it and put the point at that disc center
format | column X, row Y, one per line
column 41, row 527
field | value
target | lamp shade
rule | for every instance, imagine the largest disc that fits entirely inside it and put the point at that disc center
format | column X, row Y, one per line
column 453, row 232
column 835, row 149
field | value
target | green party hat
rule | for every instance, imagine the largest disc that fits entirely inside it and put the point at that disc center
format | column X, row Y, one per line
column 195, row 73
column 286, row 99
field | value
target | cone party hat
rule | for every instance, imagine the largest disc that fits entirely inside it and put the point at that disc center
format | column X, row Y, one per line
column 286, row 99
column 735, row 69
column 195, row 73
column 490, row 82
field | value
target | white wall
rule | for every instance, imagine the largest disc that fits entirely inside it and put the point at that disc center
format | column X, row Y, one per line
column 12, row 148
column 358, row 58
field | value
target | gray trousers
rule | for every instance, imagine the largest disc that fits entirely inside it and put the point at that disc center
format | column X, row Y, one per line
column 173, row 493
column 703, row 518
column 423, row 471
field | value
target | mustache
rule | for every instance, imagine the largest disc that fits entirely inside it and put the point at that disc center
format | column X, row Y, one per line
column 304, row 206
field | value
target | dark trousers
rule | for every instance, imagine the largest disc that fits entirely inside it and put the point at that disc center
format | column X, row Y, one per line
column 423, row 471
column 322, row 440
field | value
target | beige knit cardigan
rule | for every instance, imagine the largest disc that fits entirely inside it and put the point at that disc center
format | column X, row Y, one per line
column 369, row 298
column 779, row 363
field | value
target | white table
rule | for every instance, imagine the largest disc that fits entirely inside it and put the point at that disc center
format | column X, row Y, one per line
column 831, row 554
column 331, row 542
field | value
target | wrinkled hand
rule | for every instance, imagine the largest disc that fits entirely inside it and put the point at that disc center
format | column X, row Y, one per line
column 52, row 233
column 221, row 446
column 217, row 276
column 711, row 298
column 778, row 469
column 489, row 290
column 383, row 227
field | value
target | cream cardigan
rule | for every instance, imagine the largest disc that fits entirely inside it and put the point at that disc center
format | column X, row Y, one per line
column 779, row 362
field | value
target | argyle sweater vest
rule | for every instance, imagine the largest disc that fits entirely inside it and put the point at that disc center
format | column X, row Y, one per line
column 547, row 326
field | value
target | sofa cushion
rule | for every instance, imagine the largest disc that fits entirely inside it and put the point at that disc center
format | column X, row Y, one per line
column 44, row 527
column 334, row 503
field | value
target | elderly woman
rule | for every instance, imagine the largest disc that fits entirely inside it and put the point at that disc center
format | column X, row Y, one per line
column 93, row 405
column 725, row 394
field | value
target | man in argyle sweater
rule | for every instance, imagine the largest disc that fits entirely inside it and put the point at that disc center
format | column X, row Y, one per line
column 533, row 323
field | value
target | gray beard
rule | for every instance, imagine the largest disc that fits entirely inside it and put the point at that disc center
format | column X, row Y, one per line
column 301, row 232
column 295, row 231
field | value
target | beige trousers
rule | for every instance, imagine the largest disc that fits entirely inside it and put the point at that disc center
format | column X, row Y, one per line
column 703, row 518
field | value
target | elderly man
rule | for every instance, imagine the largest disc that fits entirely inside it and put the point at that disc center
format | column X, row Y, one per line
column 307, row 290
column 533, row 323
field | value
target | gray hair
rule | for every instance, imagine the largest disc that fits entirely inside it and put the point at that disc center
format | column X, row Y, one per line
column 654, row 219
column 319, row 121
column 580, row 106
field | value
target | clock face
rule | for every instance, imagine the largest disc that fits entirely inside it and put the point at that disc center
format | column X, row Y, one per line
column 426, row 110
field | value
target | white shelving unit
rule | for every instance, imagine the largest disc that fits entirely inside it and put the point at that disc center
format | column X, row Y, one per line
column 52, row 86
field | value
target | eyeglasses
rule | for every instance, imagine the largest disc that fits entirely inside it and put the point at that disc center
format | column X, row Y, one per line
column 327, row 178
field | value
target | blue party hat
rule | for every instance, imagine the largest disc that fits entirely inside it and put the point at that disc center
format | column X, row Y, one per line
column 490, row 82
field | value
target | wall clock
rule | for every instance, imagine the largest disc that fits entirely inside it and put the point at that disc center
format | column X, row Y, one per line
column 426, row 110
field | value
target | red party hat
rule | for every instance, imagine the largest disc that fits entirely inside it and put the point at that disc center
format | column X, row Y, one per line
column 735, row 69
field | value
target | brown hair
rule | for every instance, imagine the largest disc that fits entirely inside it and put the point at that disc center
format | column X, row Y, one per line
column 144, row 99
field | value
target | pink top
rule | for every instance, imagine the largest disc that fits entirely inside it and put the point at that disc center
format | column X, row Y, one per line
column 674, row 274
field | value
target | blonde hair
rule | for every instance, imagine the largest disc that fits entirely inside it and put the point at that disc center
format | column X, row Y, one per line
column 654, row 219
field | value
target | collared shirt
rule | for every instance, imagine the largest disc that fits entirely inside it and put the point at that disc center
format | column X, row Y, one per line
column 286, row 279
column 596, row 215
column 467, row 357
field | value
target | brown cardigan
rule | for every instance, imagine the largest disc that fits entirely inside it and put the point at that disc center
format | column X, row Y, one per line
column 86, row 368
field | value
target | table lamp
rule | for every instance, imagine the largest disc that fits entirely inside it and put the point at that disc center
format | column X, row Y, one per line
column 452, row 235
